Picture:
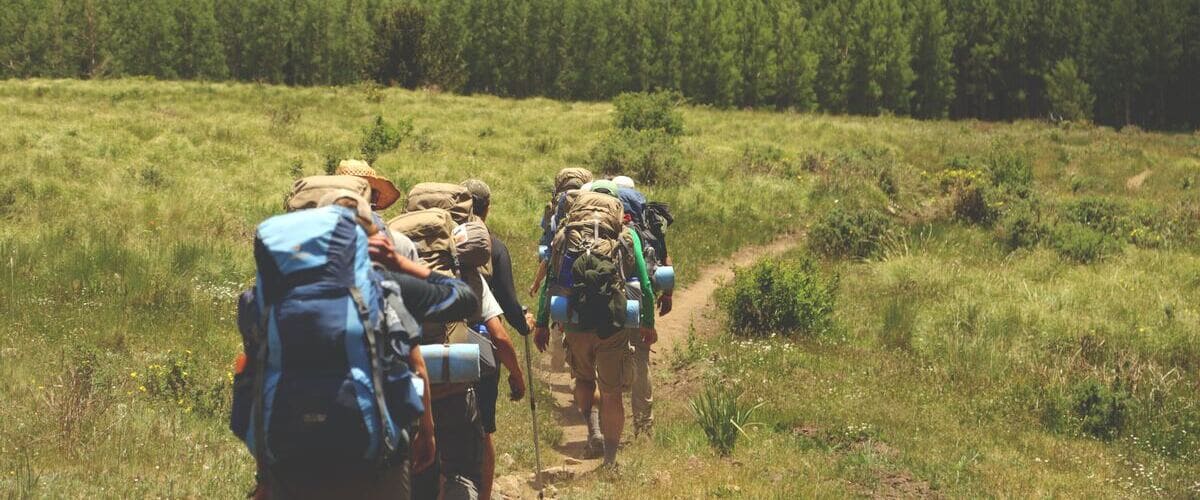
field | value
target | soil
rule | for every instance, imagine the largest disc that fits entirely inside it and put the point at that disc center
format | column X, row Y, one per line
column 689, row 310
column 1135, row 183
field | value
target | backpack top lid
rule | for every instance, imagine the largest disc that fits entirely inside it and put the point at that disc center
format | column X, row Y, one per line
column 308, row 191
column 602, row 207
column 452, row 197
column 432, row 232
column 571, row 178
column 323, row 246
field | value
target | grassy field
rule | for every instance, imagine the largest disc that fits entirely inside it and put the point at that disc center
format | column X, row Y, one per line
column 954, row 366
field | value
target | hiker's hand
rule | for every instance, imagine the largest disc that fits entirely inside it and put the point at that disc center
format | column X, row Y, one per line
column 533, row 290
column 649, row 336
column 516, row 387
column 664, row 304
column 423, row 450
column 541, row 337
column 381, row 250
column 529, row 321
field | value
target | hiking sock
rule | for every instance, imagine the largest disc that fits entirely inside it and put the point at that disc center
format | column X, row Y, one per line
column 593, row 420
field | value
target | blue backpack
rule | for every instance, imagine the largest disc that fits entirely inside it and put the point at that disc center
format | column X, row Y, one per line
column 326, row 380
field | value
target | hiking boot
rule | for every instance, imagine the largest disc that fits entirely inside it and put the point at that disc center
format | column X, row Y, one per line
column 594, row 448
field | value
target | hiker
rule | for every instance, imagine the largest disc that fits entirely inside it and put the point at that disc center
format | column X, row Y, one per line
column 646, row 219
column 500, row 282
column 304, row 436
column 568, row 180
column 383, row 195
column 440, row 220
column 590, row 255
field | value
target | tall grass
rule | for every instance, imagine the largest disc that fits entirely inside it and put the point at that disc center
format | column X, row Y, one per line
column 722, row 418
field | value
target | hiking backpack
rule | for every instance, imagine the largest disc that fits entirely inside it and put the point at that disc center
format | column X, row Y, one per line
column 567, row 180
column 453, row 198
column 649, row 219
column 586, row 272
column 326, row 382
column 432, row 231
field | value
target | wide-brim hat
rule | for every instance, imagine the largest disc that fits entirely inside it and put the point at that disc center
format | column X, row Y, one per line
column 388, row 194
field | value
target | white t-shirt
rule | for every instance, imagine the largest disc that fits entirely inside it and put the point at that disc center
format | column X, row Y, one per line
column 488, row 307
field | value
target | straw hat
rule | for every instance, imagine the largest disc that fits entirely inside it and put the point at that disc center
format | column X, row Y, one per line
column 388, row 194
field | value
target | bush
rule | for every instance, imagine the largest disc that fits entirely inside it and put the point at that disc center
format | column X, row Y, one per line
column 1102, row 411
column 383, row 137
column 1083, row 244
column 774, row 296
column 722, row 418
column 1021, row 226
column 857, row 234
column 643, row 111
column 1102, row 214
column 1010, row 171
column 650, row 156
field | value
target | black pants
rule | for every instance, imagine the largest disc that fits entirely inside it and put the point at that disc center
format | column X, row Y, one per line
column 459, row 435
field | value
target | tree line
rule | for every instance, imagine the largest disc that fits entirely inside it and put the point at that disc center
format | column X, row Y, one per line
column 1117, row 62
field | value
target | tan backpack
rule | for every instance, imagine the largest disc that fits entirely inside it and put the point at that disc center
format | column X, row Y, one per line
column 308, row 191
column 432, row 232
column 474, row 244
column 595, row 223
column 451, row 197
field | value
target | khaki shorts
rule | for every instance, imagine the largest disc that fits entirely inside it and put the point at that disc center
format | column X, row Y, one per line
column 609, row 362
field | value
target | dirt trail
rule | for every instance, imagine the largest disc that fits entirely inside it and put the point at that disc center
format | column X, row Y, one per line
column 690, row 304
column 1134, row 183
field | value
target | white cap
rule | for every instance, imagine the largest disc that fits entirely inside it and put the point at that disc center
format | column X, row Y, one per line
column 623, row 181
column 587, row 186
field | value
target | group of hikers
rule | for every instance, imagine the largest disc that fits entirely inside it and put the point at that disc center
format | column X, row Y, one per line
column 372, row 350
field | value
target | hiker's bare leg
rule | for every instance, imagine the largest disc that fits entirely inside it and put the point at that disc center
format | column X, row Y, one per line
column 585, row 396
column 612, row 423
column 489, row 467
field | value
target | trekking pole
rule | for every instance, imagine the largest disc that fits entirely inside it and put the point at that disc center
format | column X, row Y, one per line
column 537, row 454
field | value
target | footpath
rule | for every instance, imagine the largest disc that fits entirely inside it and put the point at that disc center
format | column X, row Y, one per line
column 689, row 307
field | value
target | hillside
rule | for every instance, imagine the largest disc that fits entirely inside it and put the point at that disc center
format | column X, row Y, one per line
column 964, row 335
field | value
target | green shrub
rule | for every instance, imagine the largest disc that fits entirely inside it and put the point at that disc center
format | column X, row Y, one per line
column 643, row 111
column 858, row 234
column 1102, row 411
column 383, row 137
column 650, row 156
column 780, row 296
column 1105, row 215
column 1083, row 244
column 722, row 418
column 1010, row 170
column 1021, row 226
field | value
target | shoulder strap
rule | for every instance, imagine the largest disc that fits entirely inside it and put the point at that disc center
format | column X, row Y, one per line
column 364, row 314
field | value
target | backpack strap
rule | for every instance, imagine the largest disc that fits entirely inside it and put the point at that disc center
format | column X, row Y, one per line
column 364, row 314
column 260, row 380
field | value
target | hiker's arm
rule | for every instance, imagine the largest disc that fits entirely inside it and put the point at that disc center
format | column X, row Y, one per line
column 643, row 280
column 537, row 280
column 383, row 251
column 503, row 288
column 541, row 330
column 436, row 298
column 508, row 357
column 424, row 447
